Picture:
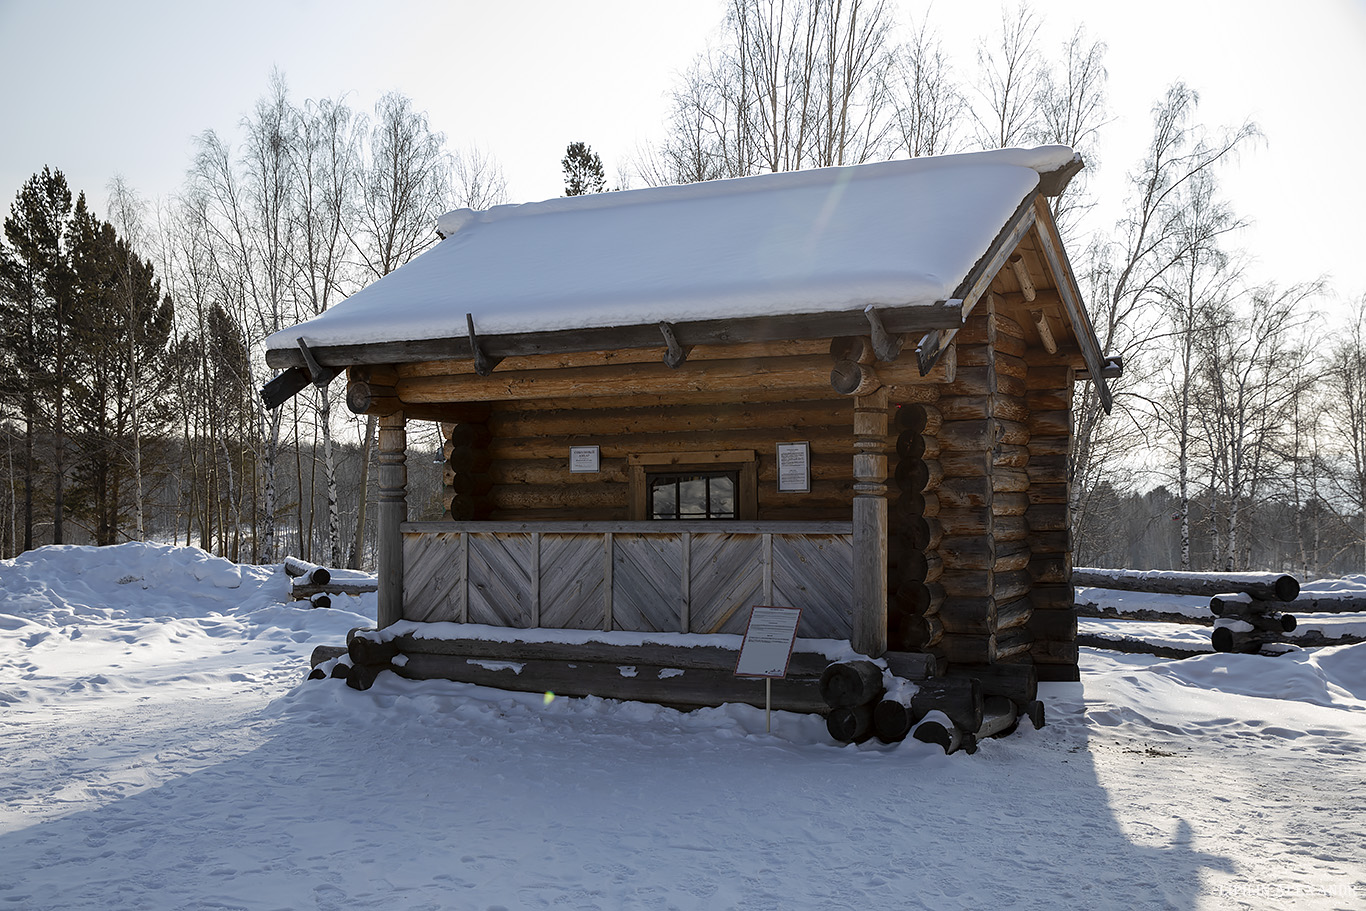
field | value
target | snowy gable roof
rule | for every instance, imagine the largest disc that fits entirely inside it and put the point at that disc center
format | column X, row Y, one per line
column 888, row 234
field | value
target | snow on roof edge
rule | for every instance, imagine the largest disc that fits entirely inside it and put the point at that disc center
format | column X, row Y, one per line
column 1042, row 159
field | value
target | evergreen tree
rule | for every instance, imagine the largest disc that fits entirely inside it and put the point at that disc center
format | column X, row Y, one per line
column 34, row 287
column 583, row 172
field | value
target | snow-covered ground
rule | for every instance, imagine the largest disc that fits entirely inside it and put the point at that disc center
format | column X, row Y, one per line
column 161, row 751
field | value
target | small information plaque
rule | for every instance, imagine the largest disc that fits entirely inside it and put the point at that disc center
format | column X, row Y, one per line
column 768, row 642
column 794, row 467
column 583, row 459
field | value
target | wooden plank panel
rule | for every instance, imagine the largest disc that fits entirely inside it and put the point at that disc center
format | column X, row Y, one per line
column 816, row 573
column 572, row 579
column 432, row 577
column 500, row 587
column 726, row 578
column 647, row 582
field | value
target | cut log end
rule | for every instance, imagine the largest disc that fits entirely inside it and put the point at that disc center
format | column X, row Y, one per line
column 850, row 724
column 851, row 683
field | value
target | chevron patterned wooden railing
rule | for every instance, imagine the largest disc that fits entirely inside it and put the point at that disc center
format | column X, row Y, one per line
column 690, row 576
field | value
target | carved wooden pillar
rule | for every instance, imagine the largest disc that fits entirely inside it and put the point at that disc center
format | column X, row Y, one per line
column 870, row 523
column 393, row 512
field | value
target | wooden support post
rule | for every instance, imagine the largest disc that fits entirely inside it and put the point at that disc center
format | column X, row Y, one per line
column 870, row 523
column 393, row 512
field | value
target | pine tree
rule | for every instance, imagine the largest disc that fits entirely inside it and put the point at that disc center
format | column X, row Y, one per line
column 583, row 172
column 34, row 286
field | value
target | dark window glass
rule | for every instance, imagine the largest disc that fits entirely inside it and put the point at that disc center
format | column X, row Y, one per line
column 694, row 495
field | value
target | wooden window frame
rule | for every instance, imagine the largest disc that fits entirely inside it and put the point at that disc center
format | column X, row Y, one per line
column 743, row 461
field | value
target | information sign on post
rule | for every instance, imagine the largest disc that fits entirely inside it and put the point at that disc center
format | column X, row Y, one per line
column 767, row 648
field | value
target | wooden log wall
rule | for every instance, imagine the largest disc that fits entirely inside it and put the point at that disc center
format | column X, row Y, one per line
column 1053, row 623
column 914, row 533
column 529, row 442
column 983, row 454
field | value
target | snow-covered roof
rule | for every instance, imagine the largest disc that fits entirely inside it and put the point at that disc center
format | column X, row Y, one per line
column 894, row 234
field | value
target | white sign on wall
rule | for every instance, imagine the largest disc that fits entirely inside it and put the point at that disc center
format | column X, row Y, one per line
column 583, row 459
column 794, row 467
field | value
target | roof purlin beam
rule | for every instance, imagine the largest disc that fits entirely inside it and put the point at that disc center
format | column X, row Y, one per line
column 897, row 320
column 971, row 289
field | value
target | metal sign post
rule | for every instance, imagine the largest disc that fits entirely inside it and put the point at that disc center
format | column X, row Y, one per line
column 767, row 648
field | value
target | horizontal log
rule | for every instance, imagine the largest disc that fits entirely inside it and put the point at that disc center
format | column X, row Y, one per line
column 962, row 648
column 911, row 476
column 1011, row 586
column 967, row 552
column 1012, row 642
column 1011, row 433
column 959, row 698
column 736, row 407
column 975, row 435
column 975, row 407
column 1047, row 467
column 941, row 733
column 1049, row 517
column 468, row 435
column 368, row 398
column 1012, row 613
column 919, row 418
column 324, row 653
column 1010, row 480
column 1053, row 397
column 636, row 680
column 982, row 328
column 466, row 483
column 1052, row 597
column 1006, row 455
column 1051, row 541
column 919, row 597
column 911, row 631
column 1047, row 569
column 893, row 720
column 910, row 444
column 334, row 587
column 308, row 573
column 1050, row 423
column 320, row 601
column 850, row 724
column 973, row 615
column 964, row 493
column 1345, row 605
column 965, row 521
column 976, row 463
column 1009, row 503
column 364, row 650
column 376, row 374
column 1017, row 682
column 608, row 357
column 1009, row 365
column 999, row 717
column 1045, row 652
column 558, row 497
column 1055, row 625
column 913, row 666
column 466, row 459
column 612, row 445
column 1228, row 640
column 851, row 683
column 1048, row 493
column 1040, row 446
column 1262, row 586
column 1010, row 528
column 1012, row 556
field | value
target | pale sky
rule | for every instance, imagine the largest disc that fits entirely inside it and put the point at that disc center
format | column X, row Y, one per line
column 99, row 88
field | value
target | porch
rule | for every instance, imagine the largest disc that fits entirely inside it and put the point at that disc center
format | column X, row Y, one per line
column 688, row 576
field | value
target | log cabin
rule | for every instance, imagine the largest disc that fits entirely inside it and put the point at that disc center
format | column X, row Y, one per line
column 847, row 390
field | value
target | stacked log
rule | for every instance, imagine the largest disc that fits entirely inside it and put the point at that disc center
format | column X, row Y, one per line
column 466, row 479
column 914, row 566
column 1053, row 620
column 851, row 689
column 314, row 584
column 1247, row 622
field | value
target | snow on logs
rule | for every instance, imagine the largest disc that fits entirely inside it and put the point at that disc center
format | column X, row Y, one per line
column 314, row 584
column 955, row 711
column 1259, row 586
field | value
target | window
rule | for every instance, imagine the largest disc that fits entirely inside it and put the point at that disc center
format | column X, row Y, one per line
column 694, row 495
column 694, row 485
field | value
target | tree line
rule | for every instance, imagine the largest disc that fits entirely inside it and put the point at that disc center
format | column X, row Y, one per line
column 131, row 344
